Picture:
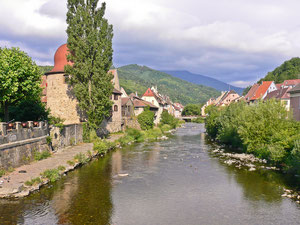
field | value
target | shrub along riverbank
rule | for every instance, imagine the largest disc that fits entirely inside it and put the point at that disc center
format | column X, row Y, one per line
column 264, row 129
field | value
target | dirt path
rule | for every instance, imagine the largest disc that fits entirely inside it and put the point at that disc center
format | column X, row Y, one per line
column 13, row 183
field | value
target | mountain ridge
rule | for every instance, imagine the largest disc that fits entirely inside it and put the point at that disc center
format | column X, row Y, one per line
column 138, row 78
column 203, row 80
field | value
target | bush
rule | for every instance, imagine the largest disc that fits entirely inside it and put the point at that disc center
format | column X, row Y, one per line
column 264, row 129
column 81, row 158
column 135, row 134
column 146, row 119
column 29, row 110
column 101, row 146
column 51, row 174
column 167, row 118
column 165, row 127
column 153, row 134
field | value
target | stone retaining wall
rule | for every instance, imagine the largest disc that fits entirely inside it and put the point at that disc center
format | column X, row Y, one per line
column 71, row 134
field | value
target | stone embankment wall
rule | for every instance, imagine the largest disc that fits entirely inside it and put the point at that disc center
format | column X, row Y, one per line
column 19, row 141
column 69, row 135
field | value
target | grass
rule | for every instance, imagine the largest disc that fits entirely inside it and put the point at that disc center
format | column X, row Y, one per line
column 2, row 172
column 41, row 155
column 81, row 158
column 70, row 163
column 33, row 181
column 61, row 168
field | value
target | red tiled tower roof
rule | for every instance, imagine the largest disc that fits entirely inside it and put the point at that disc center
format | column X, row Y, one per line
column 60, row 59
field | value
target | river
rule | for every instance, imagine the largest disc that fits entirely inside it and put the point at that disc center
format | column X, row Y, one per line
column 176, row 181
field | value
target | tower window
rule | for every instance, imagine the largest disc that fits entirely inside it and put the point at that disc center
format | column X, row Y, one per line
column 115, row 108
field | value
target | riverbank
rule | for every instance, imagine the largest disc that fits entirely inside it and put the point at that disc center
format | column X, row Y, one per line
column 264, row 129
column 29, row 178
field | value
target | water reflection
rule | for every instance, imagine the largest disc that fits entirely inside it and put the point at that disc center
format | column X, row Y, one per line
column 176, row 181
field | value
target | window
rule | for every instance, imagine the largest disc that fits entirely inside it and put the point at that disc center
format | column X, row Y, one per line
column 115, row 108
column 115, row 97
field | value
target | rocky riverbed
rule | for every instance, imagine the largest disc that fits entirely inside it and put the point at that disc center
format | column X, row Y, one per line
column 252, row 163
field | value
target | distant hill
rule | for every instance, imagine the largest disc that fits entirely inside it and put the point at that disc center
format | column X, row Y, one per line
column 45, row 69
column 289, row 70
column 203, row 80
column 138, row 78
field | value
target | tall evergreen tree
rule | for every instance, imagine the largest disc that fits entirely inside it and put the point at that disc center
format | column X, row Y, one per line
column 90, row 43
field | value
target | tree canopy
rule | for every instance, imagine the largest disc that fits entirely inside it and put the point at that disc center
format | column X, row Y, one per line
column 90, row 42
column 20, row 78
column 192, row 110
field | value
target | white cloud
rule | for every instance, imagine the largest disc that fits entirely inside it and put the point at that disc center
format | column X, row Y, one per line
column 233, row 41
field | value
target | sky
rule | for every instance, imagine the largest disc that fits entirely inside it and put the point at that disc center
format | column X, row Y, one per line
column 235, row 41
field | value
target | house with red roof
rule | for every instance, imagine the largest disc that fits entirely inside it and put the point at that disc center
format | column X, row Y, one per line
column 154, row 98
column 251, row 92
column 263, row 89
column 228, row 97
column 282, row 95
column 290, row 83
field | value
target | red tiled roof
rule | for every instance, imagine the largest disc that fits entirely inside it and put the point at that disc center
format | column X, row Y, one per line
column 124, row 100
column 279, row 94
column 149, row 93
column 262, row 90
column 291, row 82
column 252, row 91
column 139, row 103
column 60, row 59
column 278, row 86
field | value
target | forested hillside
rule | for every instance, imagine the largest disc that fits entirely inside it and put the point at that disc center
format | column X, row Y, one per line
column 287, row 71
column 139, row 78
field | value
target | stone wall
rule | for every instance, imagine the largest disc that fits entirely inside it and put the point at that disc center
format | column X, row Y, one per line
column 60, row 99
column 19, row 142
column 18, row 145
column 131, row 123
column 21, row 152
column 18, row 131
column 69, row 135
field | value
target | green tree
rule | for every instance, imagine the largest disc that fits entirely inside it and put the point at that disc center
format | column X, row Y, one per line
column 289, row 70
column 246, row 90
column 90, row 42
column 20, row 78
column 146, row 119
column 192, row 110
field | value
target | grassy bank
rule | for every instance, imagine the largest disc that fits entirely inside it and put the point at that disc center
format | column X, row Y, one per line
column 265, row 129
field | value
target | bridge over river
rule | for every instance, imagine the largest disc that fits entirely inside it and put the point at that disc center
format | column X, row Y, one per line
column 188, row 118
column 176, row 181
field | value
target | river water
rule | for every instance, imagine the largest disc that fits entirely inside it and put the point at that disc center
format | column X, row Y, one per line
column 177, row 181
